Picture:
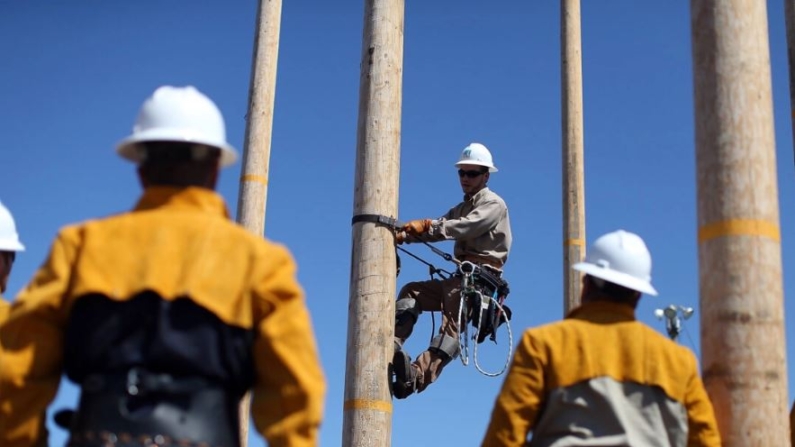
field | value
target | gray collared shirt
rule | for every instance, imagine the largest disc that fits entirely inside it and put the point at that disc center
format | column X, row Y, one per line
column 480, row 227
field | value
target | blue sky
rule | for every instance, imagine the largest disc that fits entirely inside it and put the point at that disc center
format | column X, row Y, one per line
column 74, row 74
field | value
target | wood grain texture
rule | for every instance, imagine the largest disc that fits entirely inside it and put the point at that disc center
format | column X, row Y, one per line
column 742, row 310
column 367, row 418
column 253, row 192
column 573, row 146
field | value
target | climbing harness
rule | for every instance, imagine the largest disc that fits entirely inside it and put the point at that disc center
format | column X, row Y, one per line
column 483, row 293
column 482, row 297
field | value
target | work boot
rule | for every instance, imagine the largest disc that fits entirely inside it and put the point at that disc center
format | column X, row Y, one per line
column 405, row 377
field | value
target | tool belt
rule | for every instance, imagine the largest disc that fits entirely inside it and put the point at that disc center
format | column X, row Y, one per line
column 485, row 315
column 488, row 280
column 141, row 408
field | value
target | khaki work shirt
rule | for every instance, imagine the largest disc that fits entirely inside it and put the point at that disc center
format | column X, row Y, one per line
column 480, row 227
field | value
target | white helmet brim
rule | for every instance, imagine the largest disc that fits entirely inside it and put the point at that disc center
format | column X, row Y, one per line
column 616, row 277
column 11, row 245
column 492, row 168
column 129, row 147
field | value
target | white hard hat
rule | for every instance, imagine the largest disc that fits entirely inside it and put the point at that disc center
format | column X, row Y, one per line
column 180, row 114
column 9, row 239
column 476, row 154
column 622, row 258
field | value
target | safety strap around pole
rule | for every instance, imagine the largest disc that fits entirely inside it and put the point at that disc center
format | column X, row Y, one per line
column 397, row 225
column 377, row 219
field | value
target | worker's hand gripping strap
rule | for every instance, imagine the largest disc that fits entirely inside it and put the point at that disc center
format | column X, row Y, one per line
column 446, row 347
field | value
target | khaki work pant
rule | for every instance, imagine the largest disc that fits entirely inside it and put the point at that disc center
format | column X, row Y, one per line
column 432, row 295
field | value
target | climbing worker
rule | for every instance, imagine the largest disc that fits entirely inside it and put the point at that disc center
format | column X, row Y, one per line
column 165, row 316
column 9, row 246
column 599, row 377
column 482, row 233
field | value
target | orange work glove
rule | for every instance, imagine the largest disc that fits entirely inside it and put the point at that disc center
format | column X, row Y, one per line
column 417, row 227
column 400, row 237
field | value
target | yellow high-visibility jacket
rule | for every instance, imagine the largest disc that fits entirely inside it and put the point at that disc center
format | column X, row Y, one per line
column 178, row 243
column 600, row 377
column 5, row 308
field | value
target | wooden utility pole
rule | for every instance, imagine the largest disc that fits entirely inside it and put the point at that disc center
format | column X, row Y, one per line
column 742, row 309
column 259, row 123
column 367, row 419
column 259, row 126
column 789, row 14
column 573, row 183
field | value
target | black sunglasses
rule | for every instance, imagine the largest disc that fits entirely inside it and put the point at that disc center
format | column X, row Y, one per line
column 470, row 174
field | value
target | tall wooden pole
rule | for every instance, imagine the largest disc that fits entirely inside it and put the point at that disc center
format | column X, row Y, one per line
column 259, row 125
column 789, row 14
column 742, row 310
column 371, row 310
column 573, row 177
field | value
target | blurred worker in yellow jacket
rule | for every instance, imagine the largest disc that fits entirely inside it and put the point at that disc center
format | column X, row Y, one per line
column 9, row 246
column 600, row 377
column 167, row 315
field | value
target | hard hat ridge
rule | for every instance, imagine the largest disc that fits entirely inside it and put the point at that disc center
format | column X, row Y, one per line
column 477, row 154
column 178, row 114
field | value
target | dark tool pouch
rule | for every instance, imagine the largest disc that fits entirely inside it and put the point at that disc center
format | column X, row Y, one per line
column 143, row 408
column 486, row 315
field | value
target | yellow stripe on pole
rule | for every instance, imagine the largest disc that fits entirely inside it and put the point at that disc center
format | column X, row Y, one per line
column 739, row 227
column 364, row 404
column 254, row 178
column 577, row 242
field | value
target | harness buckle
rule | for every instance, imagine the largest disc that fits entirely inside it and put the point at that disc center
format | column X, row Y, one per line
column 468, row 268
